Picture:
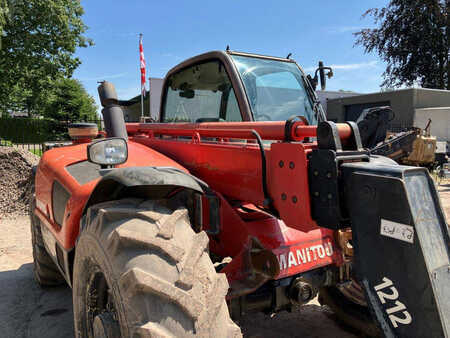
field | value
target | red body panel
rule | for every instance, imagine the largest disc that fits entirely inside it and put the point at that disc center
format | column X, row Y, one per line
column 232, row 166
column 52, row 167
column 234, row 169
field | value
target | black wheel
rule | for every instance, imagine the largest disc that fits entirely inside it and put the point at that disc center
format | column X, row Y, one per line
column 141, row 271
column 349, row 305
column 45, row 271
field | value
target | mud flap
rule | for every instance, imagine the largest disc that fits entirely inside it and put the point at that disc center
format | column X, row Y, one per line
column 401, row 246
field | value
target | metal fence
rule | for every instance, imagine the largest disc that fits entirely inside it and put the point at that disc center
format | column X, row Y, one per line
column 31, row 134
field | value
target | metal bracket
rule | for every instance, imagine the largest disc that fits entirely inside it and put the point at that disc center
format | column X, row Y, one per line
column 356, row 142
column 328, row 136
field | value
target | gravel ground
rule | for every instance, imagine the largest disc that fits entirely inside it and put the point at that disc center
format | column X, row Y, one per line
column 27, row 311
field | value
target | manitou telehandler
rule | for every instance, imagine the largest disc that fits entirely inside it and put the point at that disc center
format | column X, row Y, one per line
column 242, row 198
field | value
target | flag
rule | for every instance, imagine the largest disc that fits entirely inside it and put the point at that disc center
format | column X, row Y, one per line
column 142, row 65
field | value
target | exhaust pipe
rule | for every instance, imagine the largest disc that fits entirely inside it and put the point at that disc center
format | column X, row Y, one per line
column 112, row 111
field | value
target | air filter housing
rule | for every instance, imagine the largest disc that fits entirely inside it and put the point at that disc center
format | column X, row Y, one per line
column 83, row 132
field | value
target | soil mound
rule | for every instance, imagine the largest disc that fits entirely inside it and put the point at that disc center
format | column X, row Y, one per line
column 15, row 181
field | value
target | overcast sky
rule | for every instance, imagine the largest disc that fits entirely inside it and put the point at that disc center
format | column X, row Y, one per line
column 176, row 30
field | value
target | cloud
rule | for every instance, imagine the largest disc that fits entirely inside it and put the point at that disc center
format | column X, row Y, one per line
column 356, row 65
column 350, row 66
column 103, row 77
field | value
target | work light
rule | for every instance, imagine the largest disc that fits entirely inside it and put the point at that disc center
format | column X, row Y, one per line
column 108, row 152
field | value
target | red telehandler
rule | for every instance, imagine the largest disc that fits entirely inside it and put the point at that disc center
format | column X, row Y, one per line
column 241, row 198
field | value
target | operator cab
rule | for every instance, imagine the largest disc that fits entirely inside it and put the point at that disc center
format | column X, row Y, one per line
column 235, row 87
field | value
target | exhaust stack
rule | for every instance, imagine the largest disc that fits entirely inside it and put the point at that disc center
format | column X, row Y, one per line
column 112, row 111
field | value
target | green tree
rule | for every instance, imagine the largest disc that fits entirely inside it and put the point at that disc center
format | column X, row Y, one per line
column 69, row 101
column 413, row 38
column 39, row 40
column 4, row 9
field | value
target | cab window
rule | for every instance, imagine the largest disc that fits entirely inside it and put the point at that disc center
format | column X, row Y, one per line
column 201, row 93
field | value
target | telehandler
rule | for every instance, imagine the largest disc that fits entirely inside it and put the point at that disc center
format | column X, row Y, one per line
column 242, row 198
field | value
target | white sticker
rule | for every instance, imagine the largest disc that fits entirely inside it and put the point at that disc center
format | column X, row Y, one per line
column 396, row 230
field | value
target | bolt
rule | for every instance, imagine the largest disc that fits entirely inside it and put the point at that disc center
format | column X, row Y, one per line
column 291, row 165
column 330, row 196
column 316, row 173
column 329, row 175
column 316, row 194
column 283, row 196
column 305, row 293
column 301, row 292
column 281, row 164
column 294, row 199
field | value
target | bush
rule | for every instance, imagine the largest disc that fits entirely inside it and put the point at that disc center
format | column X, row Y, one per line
column 33, row 130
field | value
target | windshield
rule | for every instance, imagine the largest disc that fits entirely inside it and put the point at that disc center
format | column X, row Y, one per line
column 275, row 89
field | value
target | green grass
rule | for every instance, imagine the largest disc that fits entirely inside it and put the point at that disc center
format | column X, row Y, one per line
column 37, row 152
column 7, row 143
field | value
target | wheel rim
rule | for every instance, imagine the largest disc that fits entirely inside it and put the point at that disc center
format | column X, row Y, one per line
column 105, row 326
column 101, row 315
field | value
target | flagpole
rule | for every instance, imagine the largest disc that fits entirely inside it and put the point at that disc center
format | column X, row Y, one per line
column 142, row 97
column 149, row 97
column 142, row 104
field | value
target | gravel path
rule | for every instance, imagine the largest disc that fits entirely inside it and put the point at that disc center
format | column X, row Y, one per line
column 27, row 311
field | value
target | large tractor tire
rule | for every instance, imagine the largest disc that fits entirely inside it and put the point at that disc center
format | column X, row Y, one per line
column 349, row 308
column 45, row 271
column 141, row 271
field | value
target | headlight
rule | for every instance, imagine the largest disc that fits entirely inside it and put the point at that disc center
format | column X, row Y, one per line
column 107, row 152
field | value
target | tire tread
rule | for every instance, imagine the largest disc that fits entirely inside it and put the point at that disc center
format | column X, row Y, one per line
column 132, row 229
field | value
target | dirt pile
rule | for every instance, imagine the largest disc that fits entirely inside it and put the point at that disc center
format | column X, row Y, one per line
column 15, row 181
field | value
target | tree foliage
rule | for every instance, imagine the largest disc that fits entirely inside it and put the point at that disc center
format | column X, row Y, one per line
column 413, row 38
column 4, row 9
column 39, row 40
column 69, row 101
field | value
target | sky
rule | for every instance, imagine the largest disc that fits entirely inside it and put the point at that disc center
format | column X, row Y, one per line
column 176, row 30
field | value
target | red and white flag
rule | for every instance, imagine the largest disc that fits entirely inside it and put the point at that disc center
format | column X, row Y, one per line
column 142, row 64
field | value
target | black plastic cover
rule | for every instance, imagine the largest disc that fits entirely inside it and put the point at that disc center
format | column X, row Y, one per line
column 143, row 182
column 401, row 245
column 323, row 188
column 60, row 197
column 84, row 171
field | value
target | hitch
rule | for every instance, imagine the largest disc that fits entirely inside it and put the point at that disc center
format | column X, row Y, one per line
column 325, row 184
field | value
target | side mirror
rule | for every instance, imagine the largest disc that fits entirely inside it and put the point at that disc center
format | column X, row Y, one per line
column 323, row 81
column 108, row 152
